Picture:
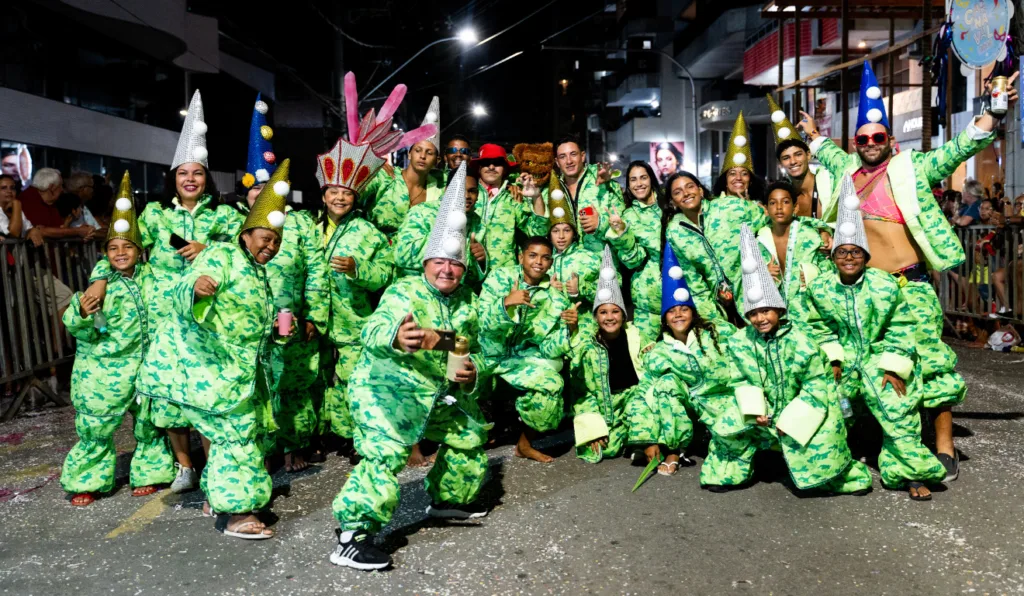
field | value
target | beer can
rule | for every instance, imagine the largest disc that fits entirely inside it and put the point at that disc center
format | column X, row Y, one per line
column 1000, row 99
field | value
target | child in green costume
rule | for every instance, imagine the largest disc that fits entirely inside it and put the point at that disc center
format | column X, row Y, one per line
column 574, row 269
column 111, row 343
column 782, row 383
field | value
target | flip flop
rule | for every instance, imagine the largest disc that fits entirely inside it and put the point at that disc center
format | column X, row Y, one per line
column 143, row 491
column 918, row 485
column 87, row 497
column 212, row 513
column 222, row 527
column 670, row 464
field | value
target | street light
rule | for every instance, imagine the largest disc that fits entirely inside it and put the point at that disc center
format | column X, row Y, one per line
column 613, row 157
column 466, row 37
column 477, row 111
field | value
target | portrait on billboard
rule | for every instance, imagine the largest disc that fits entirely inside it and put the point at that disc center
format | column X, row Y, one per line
column 666, row 158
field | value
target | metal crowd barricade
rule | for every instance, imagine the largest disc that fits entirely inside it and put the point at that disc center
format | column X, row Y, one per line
column 32, row 337
column 990, row 282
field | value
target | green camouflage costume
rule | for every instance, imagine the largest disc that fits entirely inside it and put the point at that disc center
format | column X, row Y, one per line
column 869, row 328
column 501, row 216
column 602, row 197
column 103, row 389
column 411, row 242
column 351, row 304
column 586, row 265
column 638, row 248
column 215, row 365
column 691, row 379
column 786, row 366
column 911, row 176
column 708, row 253
column 804, row 262
column 298, row 282
column 386, row 198
column 156, row 225
column 399, row 398
column 527, row 348
column 589, row 380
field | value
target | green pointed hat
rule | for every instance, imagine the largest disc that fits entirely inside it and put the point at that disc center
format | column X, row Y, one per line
column 737, row 153
column 268, row 211
column 782, row 128
column 124, row 225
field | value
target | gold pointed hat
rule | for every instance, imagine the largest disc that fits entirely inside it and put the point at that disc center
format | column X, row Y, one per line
column 737, row 155
column 124, row 225
column 268, row 211
column 558, row 209
column 782, row 128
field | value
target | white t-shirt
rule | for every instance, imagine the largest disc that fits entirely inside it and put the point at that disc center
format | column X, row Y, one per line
column 5, row 224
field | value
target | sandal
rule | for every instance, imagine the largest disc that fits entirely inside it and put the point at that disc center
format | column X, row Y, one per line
column 919, row 497
column 82, row 499
column 208, row 510
column 670, row 471
column 222, row 527
column 143, row 491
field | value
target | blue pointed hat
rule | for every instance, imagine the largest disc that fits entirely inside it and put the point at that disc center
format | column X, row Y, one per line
column 674, row 291
column 872, row 108
column 261, row 162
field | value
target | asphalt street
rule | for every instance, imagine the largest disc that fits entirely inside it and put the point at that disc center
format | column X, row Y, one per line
column 562, row 528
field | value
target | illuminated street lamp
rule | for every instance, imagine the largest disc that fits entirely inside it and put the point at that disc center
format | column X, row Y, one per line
column 466, row 37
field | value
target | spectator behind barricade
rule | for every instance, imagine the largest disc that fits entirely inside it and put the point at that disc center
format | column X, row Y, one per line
column 1014, row 211
column 13, row 222
column 990, row 255
column 101, row 203
column 38, row 204
column 70, row 208
column 969, row 212
column 81, row 185
column 950, row 204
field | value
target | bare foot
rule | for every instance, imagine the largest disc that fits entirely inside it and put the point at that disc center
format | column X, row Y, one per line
column 525, row 450
column 294, row 462
column 143, row 491
column 416, row 459
column 83, row 499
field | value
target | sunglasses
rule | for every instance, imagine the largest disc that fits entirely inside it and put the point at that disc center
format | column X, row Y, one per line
column 455, row 150
column 878, row 138
column 483, row 163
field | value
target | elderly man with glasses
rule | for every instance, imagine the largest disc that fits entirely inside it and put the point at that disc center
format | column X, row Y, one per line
column 908, row 232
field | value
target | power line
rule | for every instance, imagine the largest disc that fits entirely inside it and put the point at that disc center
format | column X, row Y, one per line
column 513, row 25
column 330, row 23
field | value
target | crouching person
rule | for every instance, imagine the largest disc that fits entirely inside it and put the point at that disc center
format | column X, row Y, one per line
column 111, row 343
column 782, row 382
column 405, row 388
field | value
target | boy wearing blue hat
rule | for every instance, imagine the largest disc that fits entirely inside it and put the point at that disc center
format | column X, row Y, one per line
column 909, row 232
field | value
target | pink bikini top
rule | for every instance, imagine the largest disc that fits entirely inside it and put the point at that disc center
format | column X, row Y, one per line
column 879, row 204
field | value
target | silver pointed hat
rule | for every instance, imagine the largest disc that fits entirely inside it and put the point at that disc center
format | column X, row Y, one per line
column 448, row 236
column 608, row 290
column 192, row 141
column 849, row 222
column 759, row 289
column 433, row 116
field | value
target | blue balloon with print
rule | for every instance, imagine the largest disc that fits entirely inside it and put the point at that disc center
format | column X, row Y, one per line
column 261, row 162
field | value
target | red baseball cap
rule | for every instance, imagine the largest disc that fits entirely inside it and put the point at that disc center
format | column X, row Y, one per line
column 492, row 152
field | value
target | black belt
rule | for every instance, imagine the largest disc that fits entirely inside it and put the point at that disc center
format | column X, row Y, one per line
column 916, row 272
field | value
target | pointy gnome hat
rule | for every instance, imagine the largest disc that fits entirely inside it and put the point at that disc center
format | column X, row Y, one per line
column 268, row 210
column 261, row 161
column 608, row 290
column 448, row 236
column 737, row 154
column 433, row 116
column 782, row 128
column 559, row 210
column 125, row 224
column 872, row 108
column 759, row 290
column 352, row 162
column 192, row 141
column 674, row 290
column 849, row 223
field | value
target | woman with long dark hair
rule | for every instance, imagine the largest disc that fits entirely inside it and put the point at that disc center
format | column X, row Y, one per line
column 691, row 375
column 174, row 230
column 703, row 233
column 741, row 183
column 636, row 239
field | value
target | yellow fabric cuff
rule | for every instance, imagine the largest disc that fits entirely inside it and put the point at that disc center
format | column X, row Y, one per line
column 800, row 420
column 834, row 351
column 897, row 363
column 589, row 427
column 750, row 400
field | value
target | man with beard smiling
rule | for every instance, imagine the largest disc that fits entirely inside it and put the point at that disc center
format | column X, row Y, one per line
column 405, row 387
column 215, row 362
column 908, row 232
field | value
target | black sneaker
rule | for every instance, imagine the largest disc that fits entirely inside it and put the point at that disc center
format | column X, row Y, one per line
column 952, row 465
column 454, row 511
column 359, row 553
